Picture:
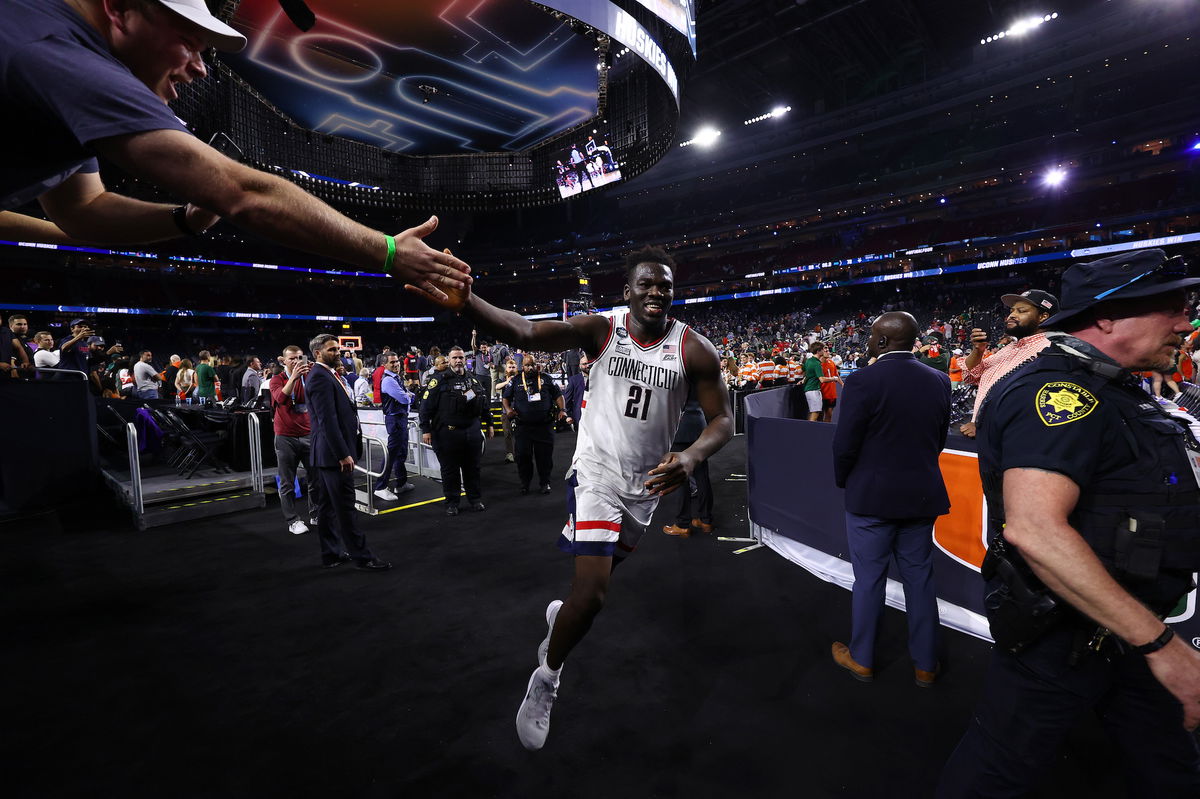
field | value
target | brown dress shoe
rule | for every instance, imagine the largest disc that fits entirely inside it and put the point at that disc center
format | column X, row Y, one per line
column 672, row 529
column 926, row 679
column 841, row 656
column 702, row 526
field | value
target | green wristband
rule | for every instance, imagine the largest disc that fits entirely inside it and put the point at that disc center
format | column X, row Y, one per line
column 391, row 256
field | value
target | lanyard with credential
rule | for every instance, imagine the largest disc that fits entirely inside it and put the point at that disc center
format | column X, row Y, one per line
column 526, row 385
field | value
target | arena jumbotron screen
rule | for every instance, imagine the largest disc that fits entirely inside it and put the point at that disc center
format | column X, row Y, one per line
column 587, row 164
column 422, row 76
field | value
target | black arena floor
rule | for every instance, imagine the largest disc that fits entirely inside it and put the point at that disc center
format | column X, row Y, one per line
column 217, row 659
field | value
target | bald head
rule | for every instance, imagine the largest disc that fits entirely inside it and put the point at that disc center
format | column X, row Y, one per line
column 894, row 331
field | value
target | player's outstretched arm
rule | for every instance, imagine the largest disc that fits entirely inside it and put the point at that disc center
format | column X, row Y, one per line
column 585, row 331
column 704, row 372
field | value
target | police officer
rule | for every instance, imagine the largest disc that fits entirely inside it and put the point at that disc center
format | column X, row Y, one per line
column 396, row 402
column 451, row 408
column 533, row 403
column 1093, row 500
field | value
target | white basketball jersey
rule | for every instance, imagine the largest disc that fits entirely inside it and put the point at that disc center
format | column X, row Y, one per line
column 636, row 392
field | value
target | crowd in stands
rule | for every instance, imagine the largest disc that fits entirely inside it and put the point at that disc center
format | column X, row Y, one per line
column 763, row 343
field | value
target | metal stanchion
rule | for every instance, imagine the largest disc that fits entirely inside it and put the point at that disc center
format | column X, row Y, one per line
column 739, row 421
column 369, row 507
column 256, row 463
column 135, row 468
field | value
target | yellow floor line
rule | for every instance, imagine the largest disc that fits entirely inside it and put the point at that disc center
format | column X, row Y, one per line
column 416, row 504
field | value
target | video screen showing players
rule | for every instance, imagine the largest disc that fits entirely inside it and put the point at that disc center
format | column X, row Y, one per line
column 586, row 164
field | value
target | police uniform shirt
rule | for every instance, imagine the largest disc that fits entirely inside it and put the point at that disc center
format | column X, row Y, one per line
column 521, row 393
column 1106, row 435
column 452, row 400
column 1053, row 422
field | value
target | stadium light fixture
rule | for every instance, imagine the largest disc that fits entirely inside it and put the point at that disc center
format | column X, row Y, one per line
column 1020, row 27
column 1055, row 177
column 705, row 137
column 1196, row 146
column 774, row 113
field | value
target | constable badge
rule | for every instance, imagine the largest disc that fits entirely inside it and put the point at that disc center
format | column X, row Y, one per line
column 1060, row 403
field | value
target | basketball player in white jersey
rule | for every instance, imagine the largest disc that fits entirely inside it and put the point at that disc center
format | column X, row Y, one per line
column 642, row 365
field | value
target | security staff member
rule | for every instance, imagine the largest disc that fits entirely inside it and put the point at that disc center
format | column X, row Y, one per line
column 1093, row 537
column 533, row 403
column 451, row 409
column 396, row 402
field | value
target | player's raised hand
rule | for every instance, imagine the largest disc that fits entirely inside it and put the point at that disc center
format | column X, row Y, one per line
column 447, row 295
column 431, row 274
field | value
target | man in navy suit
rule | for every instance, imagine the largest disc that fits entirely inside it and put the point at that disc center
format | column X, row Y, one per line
column 894, row 418
column 573, row 393
column 335, row 438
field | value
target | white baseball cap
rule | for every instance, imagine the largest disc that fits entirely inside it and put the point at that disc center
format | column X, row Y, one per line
column 223, row 37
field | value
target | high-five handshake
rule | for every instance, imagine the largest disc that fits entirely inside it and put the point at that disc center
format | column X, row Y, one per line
column 446, row 281
column 437, row 276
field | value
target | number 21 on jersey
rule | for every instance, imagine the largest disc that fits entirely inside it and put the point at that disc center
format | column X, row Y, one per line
column 638, row 405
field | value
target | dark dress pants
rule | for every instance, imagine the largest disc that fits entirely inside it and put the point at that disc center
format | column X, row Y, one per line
column 872, row 543
column 1032, row 700
column 336, row 517
column 534, row 445
column 397, row 452
column 459, row 452
column 700, row 506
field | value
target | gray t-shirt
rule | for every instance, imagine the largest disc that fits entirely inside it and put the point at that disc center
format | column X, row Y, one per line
column 144, row 376
column 482, row 363
column 251, row 384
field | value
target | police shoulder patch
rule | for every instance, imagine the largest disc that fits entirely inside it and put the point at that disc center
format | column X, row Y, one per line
column 433, row 382
column 1060, row 403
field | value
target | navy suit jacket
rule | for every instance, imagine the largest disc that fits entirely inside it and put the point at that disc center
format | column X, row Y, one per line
column 573, row 395
column 893, row 420
column 333, row 417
